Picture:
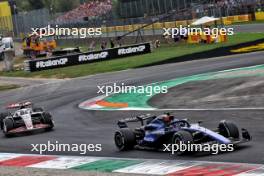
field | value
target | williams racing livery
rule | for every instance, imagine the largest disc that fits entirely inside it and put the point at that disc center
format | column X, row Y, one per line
column 156, row 132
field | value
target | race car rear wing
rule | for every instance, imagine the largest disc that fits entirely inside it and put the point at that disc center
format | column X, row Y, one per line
column 141, row 118
column 18, row 105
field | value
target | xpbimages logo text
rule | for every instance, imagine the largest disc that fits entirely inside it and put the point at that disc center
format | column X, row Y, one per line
column 190, row 147
column 61, row 31
column 149, row 90
column 187, row 31
column 63, row 147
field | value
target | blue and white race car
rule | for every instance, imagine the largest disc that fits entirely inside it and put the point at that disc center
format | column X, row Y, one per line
column 156, row 132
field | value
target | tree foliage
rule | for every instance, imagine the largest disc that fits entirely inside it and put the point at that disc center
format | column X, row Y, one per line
column 53, row 5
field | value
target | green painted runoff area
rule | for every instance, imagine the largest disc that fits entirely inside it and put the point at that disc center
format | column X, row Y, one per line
column 141, row 99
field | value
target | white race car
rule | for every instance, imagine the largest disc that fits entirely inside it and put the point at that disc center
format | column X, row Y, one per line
column 24, row 118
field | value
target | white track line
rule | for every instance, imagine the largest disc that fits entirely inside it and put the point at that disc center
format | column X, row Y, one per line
column 212, row 109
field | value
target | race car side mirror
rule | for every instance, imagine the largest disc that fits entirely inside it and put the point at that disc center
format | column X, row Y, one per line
column 122, row 124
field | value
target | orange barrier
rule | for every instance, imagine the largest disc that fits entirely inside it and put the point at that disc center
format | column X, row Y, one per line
column 238, row 18
column 244, row 18
column 111, row 29
column 128, row 28
column 119, row 28
column 193, row 38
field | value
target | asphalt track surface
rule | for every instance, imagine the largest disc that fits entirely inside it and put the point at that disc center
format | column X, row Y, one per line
column 78, row 126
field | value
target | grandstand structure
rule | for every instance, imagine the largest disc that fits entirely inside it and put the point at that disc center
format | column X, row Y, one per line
column 117, row 17
column 125, row 12
column 143, row 8
column 87, row 10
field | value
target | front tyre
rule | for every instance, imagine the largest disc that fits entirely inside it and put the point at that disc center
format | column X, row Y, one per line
column 8, row 125
column 125, row 139
column 2, row 117
column 182, row 138
column 228, row 129
column 47, row 118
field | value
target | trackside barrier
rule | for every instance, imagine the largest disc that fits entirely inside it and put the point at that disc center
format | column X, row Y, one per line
column 86, row 58
column 170, row 24
column 238, row 18
column 259, row 15
column 226, row 20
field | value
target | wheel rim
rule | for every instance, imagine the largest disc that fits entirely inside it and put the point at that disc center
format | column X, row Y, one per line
column 177, row 141
column 119, row 140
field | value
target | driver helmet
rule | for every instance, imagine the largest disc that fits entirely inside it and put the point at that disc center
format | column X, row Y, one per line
column 167, row 118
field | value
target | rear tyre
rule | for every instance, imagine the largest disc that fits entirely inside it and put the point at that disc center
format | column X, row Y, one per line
column 38, row 109
column 47, row 118
column 182, row 137
column 228, row 129
column 125, row 139
column 8, row 125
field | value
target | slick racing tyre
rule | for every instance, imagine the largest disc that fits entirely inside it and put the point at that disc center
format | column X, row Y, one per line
column 125, row 139
column 8, row 125
column 228, row 129
column 2, row 117
column 47, row 118
column 182, row 137
column 38, row 109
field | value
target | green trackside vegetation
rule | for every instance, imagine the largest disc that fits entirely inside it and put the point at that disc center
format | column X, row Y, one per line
column 163, row 53
column 8, row 87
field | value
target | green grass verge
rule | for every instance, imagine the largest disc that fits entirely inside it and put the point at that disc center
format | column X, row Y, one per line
column 163, row 53
column 8, row 87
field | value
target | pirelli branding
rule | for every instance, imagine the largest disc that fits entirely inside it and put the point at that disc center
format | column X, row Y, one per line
column 85, row 58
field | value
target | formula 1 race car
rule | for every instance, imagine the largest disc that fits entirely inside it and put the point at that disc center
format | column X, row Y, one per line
column 156, row 132
column 24, row 117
